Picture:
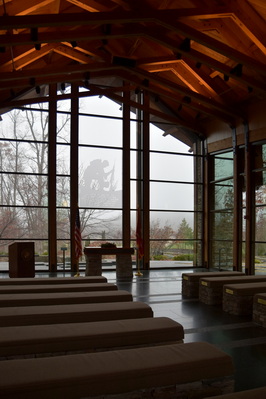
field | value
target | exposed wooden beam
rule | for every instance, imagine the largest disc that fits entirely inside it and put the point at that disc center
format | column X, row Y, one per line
column 8, row 22
column 122, row 3
column 26, row 58
column 188, row 74
column 161, row 17
column 186, row 92
column 197, row 56
column 215, row 45
column 249, row 22
column 71, row 53
column 26, row 6
column 56, row 71
column 90, row 5
column 151, row 34
column 79, row 34
column 172, row 92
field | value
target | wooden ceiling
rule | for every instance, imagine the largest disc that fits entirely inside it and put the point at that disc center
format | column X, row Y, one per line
column 198, row 59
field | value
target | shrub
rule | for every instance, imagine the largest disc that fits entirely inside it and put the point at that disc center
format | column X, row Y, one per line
column 183, row 257
column 160, row 257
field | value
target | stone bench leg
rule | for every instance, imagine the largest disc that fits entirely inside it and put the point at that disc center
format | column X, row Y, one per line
column 93, row 265
column 124, row 266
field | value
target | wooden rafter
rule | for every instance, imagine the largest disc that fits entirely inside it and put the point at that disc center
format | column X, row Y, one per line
column 186, row 58
column 26, row 7
column 151, row 34
column 90, row 5
column 250, row 23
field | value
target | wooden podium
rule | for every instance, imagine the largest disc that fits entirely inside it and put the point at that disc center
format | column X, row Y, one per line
column 21, row 259
column 123, row 261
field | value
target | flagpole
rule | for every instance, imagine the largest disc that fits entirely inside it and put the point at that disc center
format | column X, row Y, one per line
column 139, row 241
column 78, row 241
column 77, row 274
column 138, row 273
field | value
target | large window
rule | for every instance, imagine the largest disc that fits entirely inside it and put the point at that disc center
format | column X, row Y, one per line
column 221, row 210
column 24, row 178
column 173, row 235
column 259, row 180
column 25, row 164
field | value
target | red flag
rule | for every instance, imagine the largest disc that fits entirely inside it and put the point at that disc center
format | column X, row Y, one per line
column 139, row 239
column 77, row 236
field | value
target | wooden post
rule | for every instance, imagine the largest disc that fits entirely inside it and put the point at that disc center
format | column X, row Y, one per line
column 52, row 179
column 74, row 170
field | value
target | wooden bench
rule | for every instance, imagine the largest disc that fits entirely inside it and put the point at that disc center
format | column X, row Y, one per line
column 238, row 298
column 74, row 313
column 259, row 309
column 54, row 298
column 190, row 281
column 211, row 289
column 16, row 289
column 124, row 374
column 43, row 340
column 53, row 280
column 256, row 393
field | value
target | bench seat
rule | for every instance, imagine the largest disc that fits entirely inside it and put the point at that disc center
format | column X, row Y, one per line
column 73, row 313
column 16, row 289
column 190, row 281
column 120, row 373
column 256, row 393
column 54, row 298
column 43, row 340
column 53, row 280
column 238, row 298
column 211, row 288
column 259, row 309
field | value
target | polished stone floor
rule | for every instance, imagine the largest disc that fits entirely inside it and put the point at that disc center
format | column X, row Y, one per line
column 238, row 336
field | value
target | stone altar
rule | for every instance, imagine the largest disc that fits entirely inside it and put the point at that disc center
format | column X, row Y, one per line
column 123, row 261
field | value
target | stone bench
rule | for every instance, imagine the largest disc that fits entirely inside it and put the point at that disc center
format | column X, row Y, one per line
column 62, row 298
column 53, row 280
column 259, row 309
column 43, row 340
column 74, row 313
column 166, row 370
column 211, row 289
column 238, row 298
column 190, row 281
column 17, row 289
column 256, row 393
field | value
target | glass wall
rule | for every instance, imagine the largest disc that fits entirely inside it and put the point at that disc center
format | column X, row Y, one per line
column 221, row 210
column 24, row 174
column 259, row 180
column 24, row 179
column 173, row 233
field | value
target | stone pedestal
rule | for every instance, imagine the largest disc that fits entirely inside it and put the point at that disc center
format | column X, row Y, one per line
column 124, row 266
column 94, row 265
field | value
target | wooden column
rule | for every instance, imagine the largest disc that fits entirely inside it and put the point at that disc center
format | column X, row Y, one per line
column 206, row 209
column 249, row 259
column 126, row 171
column 52, row 179
column 74, row 170
column 146, row 180
column 237, row 242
